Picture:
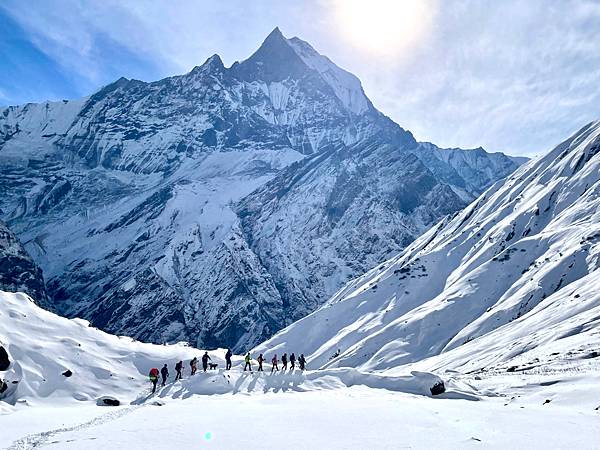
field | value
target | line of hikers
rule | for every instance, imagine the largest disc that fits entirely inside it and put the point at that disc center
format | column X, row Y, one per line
column 275, row 362
column 164, row 372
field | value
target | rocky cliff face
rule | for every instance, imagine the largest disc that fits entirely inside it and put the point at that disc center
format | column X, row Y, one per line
column 164, row 210
column 18, row 272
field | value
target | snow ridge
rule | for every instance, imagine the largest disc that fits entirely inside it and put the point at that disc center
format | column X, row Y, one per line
column 510, row 280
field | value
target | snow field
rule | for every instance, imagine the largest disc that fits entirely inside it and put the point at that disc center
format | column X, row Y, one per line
column 356, row 417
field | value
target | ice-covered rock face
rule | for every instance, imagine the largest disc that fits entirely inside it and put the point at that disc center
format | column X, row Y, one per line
column 136, row 201
column 18, row 272
column 512, row 279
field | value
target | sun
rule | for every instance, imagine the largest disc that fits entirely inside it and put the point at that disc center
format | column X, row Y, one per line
column 384, row 27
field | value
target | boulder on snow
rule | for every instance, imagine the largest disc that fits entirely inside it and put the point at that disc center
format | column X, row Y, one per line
column 67, row 373
column 438, row 388
column 4, row 361
column 107, row 401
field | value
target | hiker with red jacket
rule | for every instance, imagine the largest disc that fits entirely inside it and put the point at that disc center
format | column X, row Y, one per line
column 284, row 362
column 153, row 378
column 274, row 365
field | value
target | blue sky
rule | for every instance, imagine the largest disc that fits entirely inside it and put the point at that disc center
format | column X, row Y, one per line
column 514, row 76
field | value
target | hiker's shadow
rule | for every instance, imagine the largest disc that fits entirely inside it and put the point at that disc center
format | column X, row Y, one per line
column 284, row 382
column 239, row 382
column 143, row 398
column 252, row 383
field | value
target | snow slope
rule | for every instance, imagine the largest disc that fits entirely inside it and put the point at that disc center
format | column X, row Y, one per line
column 332, row 408
column 129, row 199
column 511, row 282
column 118, row 366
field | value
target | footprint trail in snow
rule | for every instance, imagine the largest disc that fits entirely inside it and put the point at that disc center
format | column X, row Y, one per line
column 38, row 440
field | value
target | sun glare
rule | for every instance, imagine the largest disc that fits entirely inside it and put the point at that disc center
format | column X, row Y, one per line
column 385, row 27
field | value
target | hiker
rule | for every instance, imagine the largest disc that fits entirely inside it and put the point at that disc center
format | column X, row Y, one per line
column 205, row 359
column 292, row 362
column 228, row 359
column 247, row 359
column 153, row 378
column 165, row 374
column 194, row 365
column 178, row 369
column 260, row 360
column 284, row 362
column 274, row 365
column 302, row 361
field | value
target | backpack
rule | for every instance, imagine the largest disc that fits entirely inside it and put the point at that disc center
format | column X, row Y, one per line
column 153, row 373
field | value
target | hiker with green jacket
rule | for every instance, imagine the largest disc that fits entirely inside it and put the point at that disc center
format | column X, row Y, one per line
column 247, row 359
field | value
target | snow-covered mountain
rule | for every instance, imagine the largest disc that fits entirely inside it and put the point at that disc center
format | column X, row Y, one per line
column 337, row 214
column 510, row 282
column 165, row 210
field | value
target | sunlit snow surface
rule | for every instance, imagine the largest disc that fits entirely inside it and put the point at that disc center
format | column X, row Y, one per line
column 512, row 280
column 334, row 408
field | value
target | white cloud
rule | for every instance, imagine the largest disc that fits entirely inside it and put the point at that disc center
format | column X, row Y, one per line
column 510, row 76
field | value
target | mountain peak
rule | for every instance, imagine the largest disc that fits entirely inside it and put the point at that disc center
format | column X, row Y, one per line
column 276, row 34
column 214, row 62
column 275, row 60
column 274, row 43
